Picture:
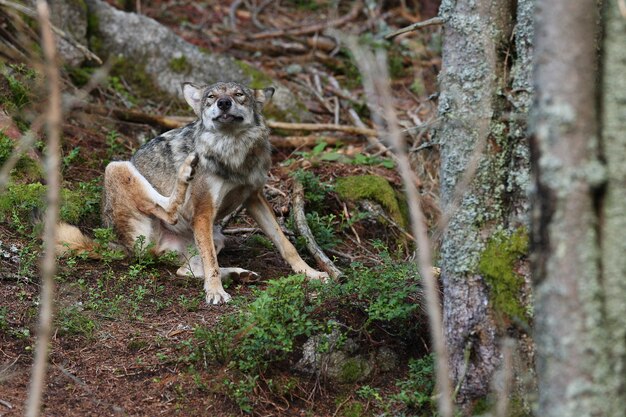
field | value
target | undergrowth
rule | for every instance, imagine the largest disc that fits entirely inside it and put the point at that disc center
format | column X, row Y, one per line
column 253, row 343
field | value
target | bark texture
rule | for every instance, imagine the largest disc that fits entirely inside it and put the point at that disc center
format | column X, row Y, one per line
column 578, row 210
column 613, row 215
column 485, row 95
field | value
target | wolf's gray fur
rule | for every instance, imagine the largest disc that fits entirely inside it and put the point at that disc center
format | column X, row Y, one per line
column 244, row 159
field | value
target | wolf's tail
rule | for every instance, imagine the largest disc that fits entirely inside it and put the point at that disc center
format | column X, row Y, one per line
column 70, row 240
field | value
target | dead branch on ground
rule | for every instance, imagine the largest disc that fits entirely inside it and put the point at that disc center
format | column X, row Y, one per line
column 303, row 229
column 48, row 264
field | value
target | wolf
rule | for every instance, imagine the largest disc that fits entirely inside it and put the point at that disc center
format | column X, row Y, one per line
column 179, row 184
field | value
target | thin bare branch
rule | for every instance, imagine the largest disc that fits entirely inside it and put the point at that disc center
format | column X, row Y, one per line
column 376, row 84
column 435, row 21
column 504, row 390
column 48, row 264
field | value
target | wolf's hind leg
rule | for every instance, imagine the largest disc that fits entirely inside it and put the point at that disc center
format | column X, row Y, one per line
column 177, row 198
column 127, row 190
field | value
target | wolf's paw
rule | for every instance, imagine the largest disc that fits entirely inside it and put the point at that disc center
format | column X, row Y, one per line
column 188, row 169
column 239, row 275
column 313, row 274
column 217, row 296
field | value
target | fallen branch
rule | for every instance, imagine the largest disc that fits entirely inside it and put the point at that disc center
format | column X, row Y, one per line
column 320, row 127
column 172, row 122
column 435, row 21
column 48, row 263
column 303, row 229
column 167, row 122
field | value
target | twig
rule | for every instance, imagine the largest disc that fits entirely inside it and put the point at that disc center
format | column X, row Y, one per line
column 415, row 26
column 502, row 405
column 48, row 264
column 303, row 229
column 352, row 14
column 376, row 84
column 6, row 404
column 31, row 13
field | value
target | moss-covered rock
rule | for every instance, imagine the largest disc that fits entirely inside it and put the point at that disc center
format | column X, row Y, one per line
column 371, row 187
column 497, row 265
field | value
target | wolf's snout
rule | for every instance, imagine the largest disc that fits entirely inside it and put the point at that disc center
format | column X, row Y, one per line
column 224, row 104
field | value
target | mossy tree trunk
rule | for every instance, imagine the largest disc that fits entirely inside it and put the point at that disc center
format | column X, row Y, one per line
column 485, row 87
column 579, row 267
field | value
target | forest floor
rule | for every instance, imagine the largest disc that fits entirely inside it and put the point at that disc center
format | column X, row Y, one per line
column 128, row 336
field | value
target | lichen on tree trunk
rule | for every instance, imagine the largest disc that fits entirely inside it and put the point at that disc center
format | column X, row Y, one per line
column 485, row 94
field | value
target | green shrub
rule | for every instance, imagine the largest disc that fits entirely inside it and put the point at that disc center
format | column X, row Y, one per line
column 416, row 392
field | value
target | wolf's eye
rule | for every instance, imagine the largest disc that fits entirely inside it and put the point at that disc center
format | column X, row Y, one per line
column 239, row 94
column 210, row 96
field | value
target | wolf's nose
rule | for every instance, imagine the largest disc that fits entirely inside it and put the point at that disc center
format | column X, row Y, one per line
column 224, row 103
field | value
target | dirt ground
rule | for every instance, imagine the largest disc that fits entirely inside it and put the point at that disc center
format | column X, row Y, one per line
column 119, row 337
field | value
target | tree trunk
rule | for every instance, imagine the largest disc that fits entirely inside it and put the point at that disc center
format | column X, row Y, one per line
column 613, row 204
column 578, row 210
column 485, row 95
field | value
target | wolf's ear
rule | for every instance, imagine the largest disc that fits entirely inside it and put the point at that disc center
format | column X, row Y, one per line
column 193, row 96
column 264, row 95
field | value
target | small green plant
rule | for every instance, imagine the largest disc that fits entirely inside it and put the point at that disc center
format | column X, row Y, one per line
column 104, row 238
column 73, row 321
column 4, row 321
column 71, row 157
column 416, row 392
column 6, row 148
column 315, row 190
column 114, row 146
column 190, row 304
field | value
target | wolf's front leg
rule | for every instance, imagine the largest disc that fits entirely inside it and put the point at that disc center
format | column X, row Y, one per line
column 202, row 224
column 260, row 210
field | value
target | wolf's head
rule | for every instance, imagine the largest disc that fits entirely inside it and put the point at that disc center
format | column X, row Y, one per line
column 227, row 105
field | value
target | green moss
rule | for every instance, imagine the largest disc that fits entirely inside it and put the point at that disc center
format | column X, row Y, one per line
column 142, row 85
column 497, row 265
column 180, row 65
column 371, row 187
column 353, row 409
column 352, row 370
column 257, row 79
